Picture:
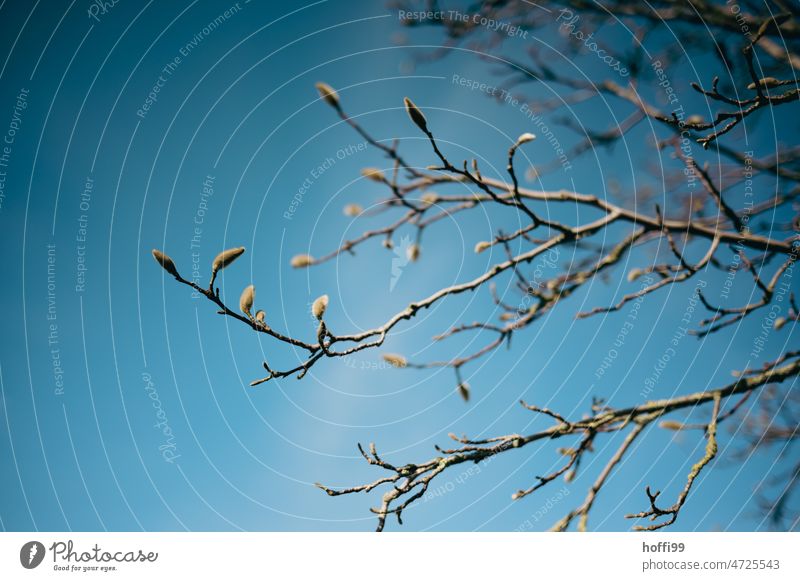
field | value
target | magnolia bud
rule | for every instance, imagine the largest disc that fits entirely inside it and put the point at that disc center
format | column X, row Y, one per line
column 634, row 273
column 353, row 210
column 301, row 261
column 525, row 138
column 224, row 258
column 374, row 174
column 327, row 92
column 319, row 306
column 481, row 246
column 395, row 360
column 779, row 323
column 247, row 298
column 166, row 262
column 765, row 83
column 569, row 476
column 415, row 114
column 428, row 198
column 260, row 316
column 671, row 425
column 412, row 252
column 463, row 390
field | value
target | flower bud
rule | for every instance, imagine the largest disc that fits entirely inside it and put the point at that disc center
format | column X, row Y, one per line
column 416, row 115
column 224, row 258
column 395, row 360
column 671, row 425
column 428, row 198
column 765, row 83
column 525, row 138
column 165, row 262
column 301, row 261
column 319, row 306
column 353, row 210
column 412, row 252
column 247, row 298
column 779, row 323
column 463, row 390
column 481, row 246
column 374, row 174
column 634, row 273
column 260, row 316
column 328, row 94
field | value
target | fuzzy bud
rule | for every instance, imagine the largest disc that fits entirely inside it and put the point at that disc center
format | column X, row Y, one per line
column 779, row 323
column 634, row 274
column 353, row 210
column 481, row 246
column 525, row 138
column 395, row 360
column 319, row 306
column 374, row 174
column 328, row 94
column 225, row 258
column 247, row 298
column 412, row 252
column 671, row 425
column 302, row 261
column 463, row 390
column 165, row 262
column 416, row 115
column 765, row 83
column 260, row 316
column 428, row 198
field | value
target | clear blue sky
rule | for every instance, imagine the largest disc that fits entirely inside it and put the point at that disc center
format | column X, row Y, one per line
column 90, row 356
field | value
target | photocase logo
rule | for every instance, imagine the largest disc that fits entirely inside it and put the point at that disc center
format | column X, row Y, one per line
column 400, row 260
column 31, row 554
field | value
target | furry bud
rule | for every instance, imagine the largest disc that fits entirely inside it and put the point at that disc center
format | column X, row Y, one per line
column 353, row 210
column 328, row 94
column 428, row 198
column 463, row 390
column 416, row 115
column 224, row 258
column 395, row 360
column 481, row 246
column 319, row 306
column 525, row 138
column 412, row 252
column 301, row 261
column 634, row 273
column 247, row 298
column 260, row 316
column 374, row 174
column 765, row 83
column 165, row 262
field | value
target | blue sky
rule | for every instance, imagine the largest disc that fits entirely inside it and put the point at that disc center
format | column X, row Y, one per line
column 238, row 113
